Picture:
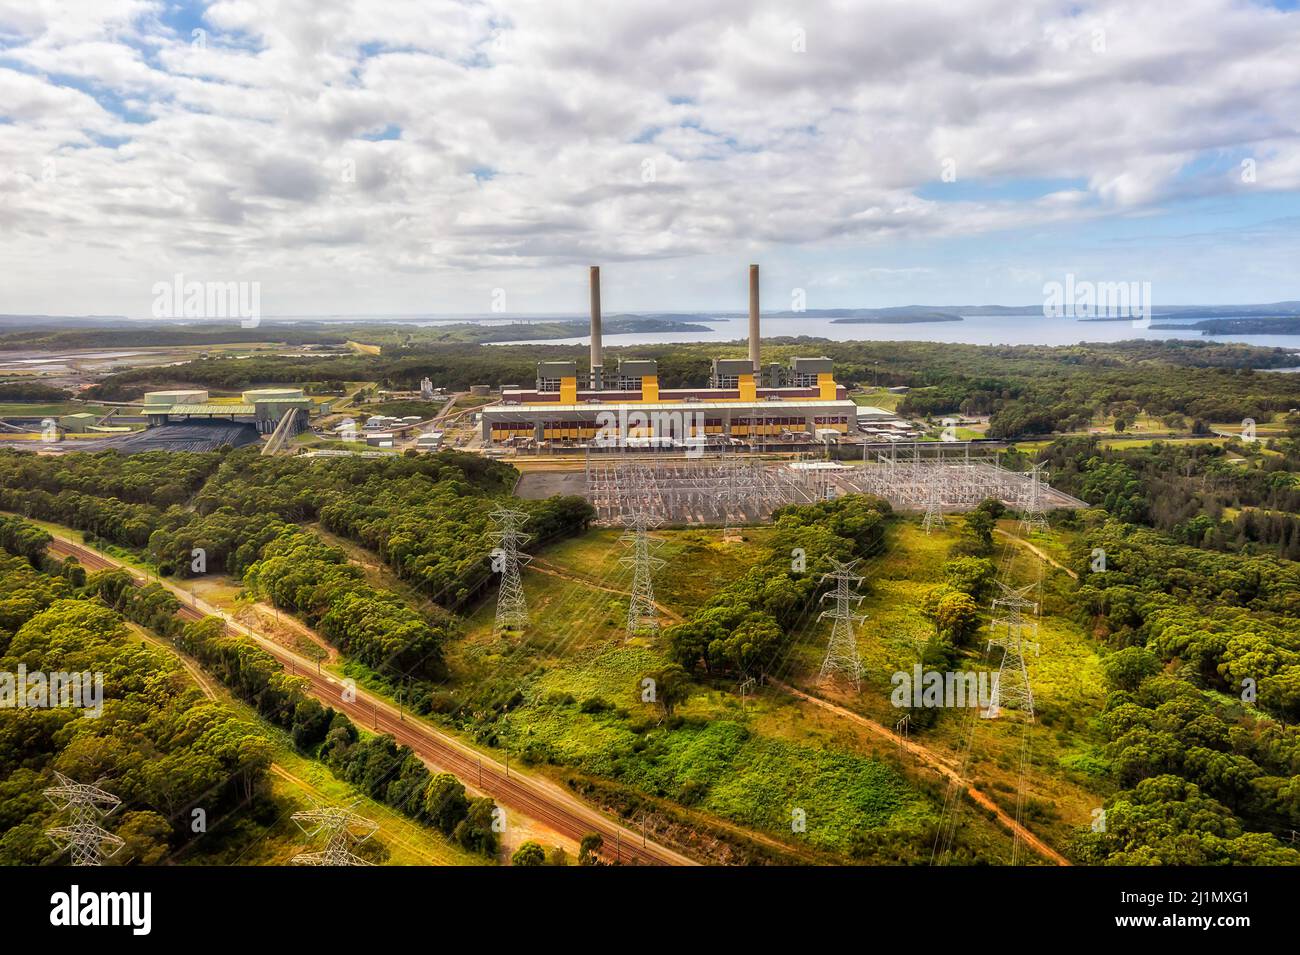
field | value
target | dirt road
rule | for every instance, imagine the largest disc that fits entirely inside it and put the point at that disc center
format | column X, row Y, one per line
column 936, row 762
column 1037, row 552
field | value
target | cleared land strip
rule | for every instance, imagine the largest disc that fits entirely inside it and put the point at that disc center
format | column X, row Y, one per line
column 390, row 816
column 542, row 567
column 535, row 798
column 936, row 762
column 925, row 754
column 1037, row 552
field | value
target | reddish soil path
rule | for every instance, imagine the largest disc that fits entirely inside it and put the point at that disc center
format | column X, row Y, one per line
column 939, row 764
column 1037, row 552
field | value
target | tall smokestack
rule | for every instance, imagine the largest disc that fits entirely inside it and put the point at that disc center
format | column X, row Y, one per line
column 753, row 318
column 597, row 371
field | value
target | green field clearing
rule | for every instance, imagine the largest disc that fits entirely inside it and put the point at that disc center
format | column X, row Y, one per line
column 22, row 409
column 1122, row 443
column 751, row 764
column 1061, row 544
column 878, row 398
column 1066, row 678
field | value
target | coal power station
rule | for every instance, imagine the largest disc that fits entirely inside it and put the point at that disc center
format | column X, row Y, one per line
column 624, row 406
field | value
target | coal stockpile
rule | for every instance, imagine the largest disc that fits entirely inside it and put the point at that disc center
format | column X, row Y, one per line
column 191, row 436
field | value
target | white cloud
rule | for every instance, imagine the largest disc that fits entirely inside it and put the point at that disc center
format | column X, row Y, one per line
column 540, row 135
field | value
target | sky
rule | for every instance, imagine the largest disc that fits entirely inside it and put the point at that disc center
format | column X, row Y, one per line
column 437, row 156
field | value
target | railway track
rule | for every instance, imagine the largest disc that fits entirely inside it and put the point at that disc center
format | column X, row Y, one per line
column 535, row 798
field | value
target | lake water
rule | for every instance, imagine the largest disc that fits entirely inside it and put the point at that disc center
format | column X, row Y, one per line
column 975, row 330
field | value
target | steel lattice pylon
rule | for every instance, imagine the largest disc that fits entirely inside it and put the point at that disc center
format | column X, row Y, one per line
column 1033, row 516
column 342, row 828
column 933, row 502
column 735, row 505
column 88, row 842
column 512, row 609
column 842, row 652
column 642, row 612
column 1008, row 630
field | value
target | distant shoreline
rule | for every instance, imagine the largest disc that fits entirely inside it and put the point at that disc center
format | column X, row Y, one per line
column 1262, row 325
column 899, row 319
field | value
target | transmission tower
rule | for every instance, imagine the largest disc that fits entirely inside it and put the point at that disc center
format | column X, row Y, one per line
column 512, row 609
column 342, row 828
column 1009, row 628
column 1033, row 513
column 642, row 613
column 728, row 493
column 88, row 842
column 842, row 652
column 933, row 501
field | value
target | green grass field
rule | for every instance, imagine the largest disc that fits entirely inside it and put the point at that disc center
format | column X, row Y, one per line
column 753, row 762
column 878, row 398
column 1065, row 676
column 24, row 409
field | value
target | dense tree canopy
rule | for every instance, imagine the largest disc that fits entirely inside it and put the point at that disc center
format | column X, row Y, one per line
column 746, row 626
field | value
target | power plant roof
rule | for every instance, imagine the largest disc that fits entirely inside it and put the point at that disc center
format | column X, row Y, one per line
column 766, row 407
column 223, row 408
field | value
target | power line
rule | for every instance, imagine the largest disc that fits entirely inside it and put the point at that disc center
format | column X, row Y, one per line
column 642, row 612
column 1033, row 512
column 964, row 481
column 729, row 496
column 933, row 502
column 342, row 829
column 842, row 651
column 719, row 487
column 88, row 842
column 1008, row 629
column 512, row 608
